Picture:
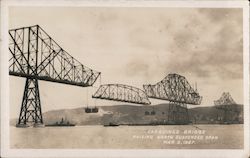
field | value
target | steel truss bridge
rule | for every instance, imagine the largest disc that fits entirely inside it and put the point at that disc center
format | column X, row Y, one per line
column 123, row 93
column 35, row 56
column 175, row 89
column 227, row 104
column 225, row 99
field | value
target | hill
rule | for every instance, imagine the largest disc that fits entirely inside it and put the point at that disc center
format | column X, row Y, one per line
column 129, row 114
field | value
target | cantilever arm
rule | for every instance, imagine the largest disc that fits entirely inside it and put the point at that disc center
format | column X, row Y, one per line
column 35, row 54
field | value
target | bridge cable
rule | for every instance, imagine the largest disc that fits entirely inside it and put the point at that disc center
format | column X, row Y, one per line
column 87, row 97
column 100, row 80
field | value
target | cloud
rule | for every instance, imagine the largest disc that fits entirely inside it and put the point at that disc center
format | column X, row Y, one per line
column 206, row 43
column 140, row 67
column 136, row 46
column 220, row 14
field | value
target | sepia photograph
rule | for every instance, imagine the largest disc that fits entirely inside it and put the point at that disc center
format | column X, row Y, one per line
column 120, row 77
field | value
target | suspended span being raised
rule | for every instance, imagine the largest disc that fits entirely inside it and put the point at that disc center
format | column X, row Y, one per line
column 123, row 93
column 174, row 88
column 34, row 54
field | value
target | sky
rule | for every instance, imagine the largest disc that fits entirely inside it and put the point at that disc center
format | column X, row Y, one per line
column 137, row 46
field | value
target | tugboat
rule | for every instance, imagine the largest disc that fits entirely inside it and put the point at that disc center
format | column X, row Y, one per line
column 114, row 121
column 111, row 124
column 91, row 110
column 62, row 123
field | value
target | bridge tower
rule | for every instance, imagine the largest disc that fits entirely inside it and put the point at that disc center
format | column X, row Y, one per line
column 31, row 110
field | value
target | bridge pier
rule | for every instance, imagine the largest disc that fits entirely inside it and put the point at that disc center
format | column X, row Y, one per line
column 178, row 113
column 31, row 112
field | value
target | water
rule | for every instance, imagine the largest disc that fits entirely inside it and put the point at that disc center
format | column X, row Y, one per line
column 128, row 137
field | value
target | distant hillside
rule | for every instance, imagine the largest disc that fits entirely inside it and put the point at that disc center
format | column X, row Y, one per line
column 128, row 114
column 204, row 115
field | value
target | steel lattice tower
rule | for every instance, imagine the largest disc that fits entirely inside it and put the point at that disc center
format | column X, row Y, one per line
column 31, row 110
column 178, row 113
column 31, row 106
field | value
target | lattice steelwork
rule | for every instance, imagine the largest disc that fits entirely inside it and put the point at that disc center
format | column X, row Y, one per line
column 31, row 106
column 178, row 113
column 36, row 56
column 173, row 88
column 225, row 99
column 227, row 104
column 123, row 93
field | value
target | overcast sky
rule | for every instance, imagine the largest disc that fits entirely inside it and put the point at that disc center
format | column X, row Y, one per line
column 138, row 46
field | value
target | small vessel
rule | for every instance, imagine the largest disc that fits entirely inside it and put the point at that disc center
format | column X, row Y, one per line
column 114, row 121
column 91, row 110
column 111, row 124
column 62, row 123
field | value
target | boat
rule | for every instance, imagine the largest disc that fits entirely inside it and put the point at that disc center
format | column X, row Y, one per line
column 91, row 110
column 111, row 124
column 62, row 123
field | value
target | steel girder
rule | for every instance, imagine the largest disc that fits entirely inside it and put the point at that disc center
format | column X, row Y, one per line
column 174, row 88
column 123, row 93
column 34, row 54
column 178, row 113
column 228, row 105
column 225, row 99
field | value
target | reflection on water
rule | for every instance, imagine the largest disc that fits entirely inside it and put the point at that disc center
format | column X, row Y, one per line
column 129, row 137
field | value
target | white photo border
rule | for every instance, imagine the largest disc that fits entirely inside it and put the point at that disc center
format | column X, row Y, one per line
column 185, row 153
